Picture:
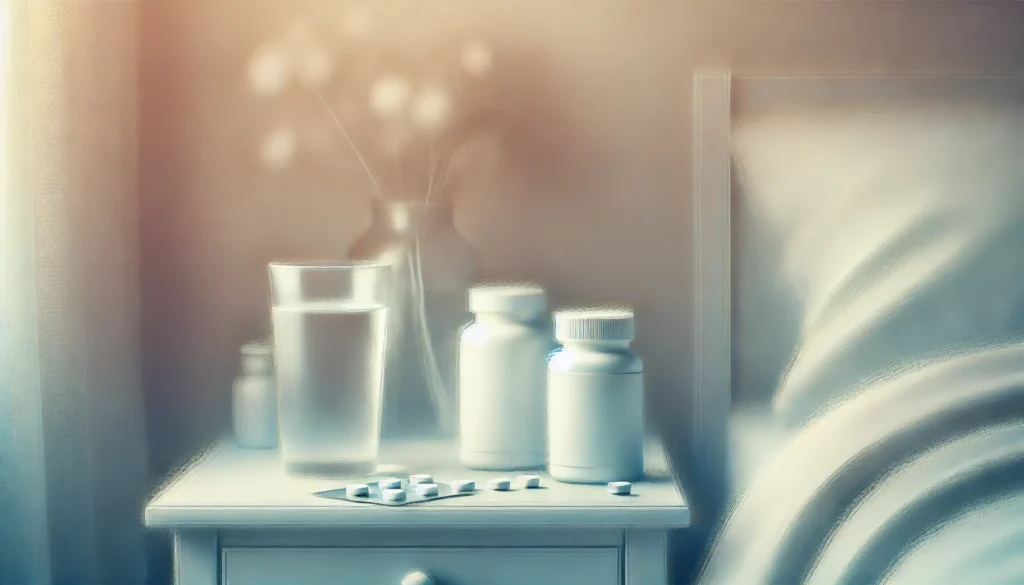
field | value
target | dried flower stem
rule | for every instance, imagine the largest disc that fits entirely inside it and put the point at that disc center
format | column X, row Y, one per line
column 435, row 384
column 341, row 127
column 449, row 165
column 433, row 171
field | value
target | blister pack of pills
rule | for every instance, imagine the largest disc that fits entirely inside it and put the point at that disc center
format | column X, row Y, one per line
column 397, row 491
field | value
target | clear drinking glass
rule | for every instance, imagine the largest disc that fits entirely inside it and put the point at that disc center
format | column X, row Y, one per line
column 330, row 324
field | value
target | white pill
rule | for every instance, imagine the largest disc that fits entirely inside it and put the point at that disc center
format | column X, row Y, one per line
column 529, row 481
column 394, row 495
column 357, row 489
column 499, row 485
column 463, row 486
column 391, row 483
column 426, row 489
column 620, row 488
column 420, row 478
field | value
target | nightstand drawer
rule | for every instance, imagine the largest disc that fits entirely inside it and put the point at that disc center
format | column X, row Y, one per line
column 446, row 566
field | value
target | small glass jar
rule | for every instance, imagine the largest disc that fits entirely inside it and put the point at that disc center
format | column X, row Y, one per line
column 254, row 399
column 502, row 360
column 595, row 399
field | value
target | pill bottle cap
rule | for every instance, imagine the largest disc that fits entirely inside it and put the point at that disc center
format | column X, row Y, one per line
column 507, row 298
column 594, row 325
column 256, row 348
column 257, row 358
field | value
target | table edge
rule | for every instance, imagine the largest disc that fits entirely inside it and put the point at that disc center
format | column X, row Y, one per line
column 220, row 516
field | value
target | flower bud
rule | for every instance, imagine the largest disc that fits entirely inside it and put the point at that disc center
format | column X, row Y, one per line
column 268, row 70
column 278, row 149
column 431, row 109
column 389, row 96
column 315, row 68
column 477, row 59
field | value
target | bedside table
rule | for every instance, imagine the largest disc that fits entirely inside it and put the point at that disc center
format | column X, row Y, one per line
column 238, row 519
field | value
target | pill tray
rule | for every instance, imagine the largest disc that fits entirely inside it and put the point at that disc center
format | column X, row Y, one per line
column 444, row 490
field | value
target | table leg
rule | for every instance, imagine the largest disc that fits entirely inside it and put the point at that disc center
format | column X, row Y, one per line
column 646, row 557
column 195, row 557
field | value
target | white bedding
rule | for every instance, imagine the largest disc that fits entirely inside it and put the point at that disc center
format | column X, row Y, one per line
column 899, row 237
column 901, row 242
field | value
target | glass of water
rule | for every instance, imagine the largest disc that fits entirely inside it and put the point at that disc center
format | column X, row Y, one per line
column 330, row 322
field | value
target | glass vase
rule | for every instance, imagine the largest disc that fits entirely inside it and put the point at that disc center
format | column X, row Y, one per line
column 433, row 267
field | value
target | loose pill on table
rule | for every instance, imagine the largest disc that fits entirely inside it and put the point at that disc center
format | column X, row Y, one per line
column 463, row 486
column 426, row 489
column 394, row 495
column 391, row 483
column 620, row 488
column 529, row 481
column 499, row 485
column 357, row 489
column 420, row 478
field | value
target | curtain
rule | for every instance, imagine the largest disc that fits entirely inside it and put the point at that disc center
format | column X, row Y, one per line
column 73, row 455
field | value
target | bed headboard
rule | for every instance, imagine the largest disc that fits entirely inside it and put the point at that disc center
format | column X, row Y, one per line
column 719, row 99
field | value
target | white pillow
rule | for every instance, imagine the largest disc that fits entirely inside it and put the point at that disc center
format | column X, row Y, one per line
column 901, row 236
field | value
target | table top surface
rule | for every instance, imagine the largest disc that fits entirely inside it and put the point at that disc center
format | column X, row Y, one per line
column 230, row 487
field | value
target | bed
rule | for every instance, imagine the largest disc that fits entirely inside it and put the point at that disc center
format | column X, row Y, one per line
column 860, row 327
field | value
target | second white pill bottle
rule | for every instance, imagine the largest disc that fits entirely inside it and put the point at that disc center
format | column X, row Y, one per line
column 595, row 399
column 502, row 361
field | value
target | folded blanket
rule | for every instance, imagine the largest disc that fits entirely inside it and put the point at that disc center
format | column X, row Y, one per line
column 931, row 421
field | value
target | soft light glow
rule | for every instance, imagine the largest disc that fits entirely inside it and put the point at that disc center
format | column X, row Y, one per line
column 432, row 108
column 395, row 139
column 477, row 59
column 268, row 70
column 389, row 96
column 357, row 22
column 278, row 148
column 316, row 67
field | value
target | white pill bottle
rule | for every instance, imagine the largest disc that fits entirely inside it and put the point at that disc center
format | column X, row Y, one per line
column 502, row 363
column 254, row 399
column 595, row 399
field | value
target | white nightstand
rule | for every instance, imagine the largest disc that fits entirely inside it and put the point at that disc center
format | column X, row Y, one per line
column 237, row 519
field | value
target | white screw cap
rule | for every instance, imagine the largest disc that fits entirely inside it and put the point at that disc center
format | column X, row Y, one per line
column 507, row 299
column 594, row 325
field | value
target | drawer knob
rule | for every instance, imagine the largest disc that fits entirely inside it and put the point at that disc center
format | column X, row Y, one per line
column 417, row 578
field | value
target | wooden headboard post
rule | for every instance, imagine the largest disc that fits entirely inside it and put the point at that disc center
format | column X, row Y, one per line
column 712, row 371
